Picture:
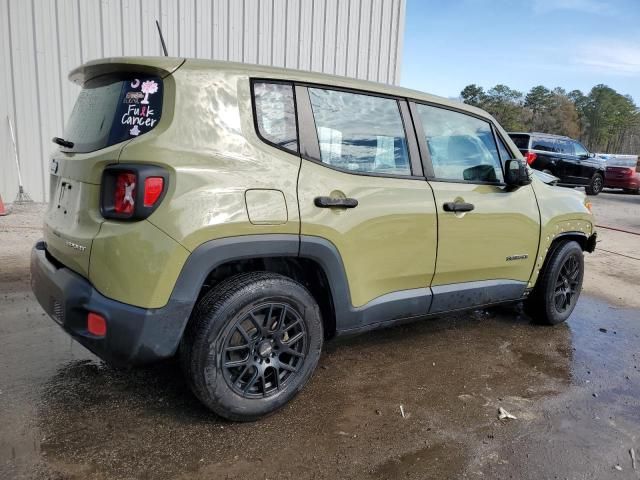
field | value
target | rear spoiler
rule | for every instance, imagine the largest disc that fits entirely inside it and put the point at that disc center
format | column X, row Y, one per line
column 159, row 66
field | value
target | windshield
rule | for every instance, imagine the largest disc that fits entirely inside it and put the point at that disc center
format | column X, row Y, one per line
column 111, row 109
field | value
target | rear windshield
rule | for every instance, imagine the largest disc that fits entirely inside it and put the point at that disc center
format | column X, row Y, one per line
column 111, row 109
column 521, row 141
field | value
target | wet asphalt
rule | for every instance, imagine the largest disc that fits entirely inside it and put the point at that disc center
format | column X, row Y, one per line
column 574, row 390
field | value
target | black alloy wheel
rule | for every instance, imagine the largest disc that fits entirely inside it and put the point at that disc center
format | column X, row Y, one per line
column 567, row 283
column 595, row 185
column 252, row 343
column 559, row 284
column 264, row 350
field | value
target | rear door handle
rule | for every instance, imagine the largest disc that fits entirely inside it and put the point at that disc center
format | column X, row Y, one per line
column 328, row 202
column 458, row 207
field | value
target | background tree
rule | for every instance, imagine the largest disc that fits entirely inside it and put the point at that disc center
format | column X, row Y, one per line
column 473, row 95
column 604, row 120
column 505, row 105
column 540, row 100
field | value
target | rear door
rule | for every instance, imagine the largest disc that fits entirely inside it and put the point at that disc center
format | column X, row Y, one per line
column 569, row 161
column 548, row 156
column 487, row 233
column 361, row 187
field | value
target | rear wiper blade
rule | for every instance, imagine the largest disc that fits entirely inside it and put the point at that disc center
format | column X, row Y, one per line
column 62, row 142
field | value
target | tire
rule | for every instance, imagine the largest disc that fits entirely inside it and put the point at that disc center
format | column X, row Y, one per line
column 241, row 366
column 595, row 185
column 559, row 282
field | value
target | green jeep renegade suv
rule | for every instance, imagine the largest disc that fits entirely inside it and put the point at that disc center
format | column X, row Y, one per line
column 239, row 215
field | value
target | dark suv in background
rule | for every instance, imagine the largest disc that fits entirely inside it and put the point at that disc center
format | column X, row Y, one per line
column 563, row 157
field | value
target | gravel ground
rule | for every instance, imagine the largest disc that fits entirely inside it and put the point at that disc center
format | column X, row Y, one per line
column 575, row 390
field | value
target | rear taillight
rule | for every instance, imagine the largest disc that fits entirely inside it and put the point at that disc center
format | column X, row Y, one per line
column 132, row 192
column 530, row 157
column 153, row 187
column 124, row 196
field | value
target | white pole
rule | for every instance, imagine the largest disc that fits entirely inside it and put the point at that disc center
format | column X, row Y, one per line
column 15, row 152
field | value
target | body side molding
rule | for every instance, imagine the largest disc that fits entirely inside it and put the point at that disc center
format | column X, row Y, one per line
column 459, row 296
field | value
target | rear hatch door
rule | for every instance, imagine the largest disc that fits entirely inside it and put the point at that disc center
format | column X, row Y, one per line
column 121, row 99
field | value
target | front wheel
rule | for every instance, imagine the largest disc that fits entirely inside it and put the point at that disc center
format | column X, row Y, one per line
column 595, row 185
column 251, row 345
column 559, row 286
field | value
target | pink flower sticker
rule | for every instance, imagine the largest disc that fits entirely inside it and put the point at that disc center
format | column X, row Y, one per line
column 149, row 87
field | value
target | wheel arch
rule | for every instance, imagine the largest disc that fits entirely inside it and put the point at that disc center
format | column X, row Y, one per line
column 311, row 261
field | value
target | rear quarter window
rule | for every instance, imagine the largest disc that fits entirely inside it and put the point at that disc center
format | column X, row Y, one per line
column 111, row 109
column 275, row 114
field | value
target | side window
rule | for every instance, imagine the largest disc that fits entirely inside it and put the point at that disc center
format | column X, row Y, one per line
column 580, row 150
column 565, row 146
column 544, row 145
column 461, row 147
column 360, row 133
column 275, row 114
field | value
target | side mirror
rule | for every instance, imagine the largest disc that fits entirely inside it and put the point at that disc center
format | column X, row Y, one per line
column 515, row 173
column 591, row 155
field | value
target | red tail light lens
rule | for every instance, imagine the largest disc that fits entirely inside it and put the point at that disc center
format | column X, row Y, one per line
column 530, row 157
column 125, row 193
column 152, row 190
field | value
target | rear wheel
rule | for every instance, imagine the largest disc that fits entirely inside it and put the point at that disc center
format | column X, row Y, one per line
column 252, row 344
column 595, row 185
column 559, row 286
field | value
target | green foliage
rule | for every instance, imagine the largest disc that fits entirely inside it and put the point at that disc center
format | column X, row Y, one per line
column 605, row 120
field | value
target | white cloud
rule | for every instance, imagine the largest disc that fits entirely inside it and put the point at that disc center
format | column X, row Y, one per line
column 585, row 6
column 612, row 57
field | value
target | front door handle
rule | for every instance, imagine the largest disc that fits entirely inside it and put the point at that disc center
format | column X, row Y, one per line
column 458, row 207
column 328, row 202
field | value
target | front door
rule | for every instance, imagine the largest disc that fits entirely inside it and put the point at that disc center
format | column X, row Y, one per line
column 488, row 234
column 361, row 188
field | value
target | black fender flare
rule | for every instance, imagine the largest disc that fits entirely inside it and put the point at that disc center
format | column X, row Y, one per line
column 170, row 321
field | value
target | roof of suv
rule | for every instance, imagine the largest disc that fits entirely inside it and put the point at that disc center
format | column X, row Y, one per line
column 540, row 134
column 166, row 63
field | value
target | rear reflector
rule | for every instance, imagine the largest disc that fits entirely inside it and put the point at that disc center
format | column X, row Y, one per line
column 125, row 193
column 96, row 324
column 152, row 190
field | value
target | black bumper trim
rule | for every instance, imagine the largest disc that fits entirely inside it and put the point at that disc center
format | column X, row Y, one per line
column 591, row 243
column 134, row 335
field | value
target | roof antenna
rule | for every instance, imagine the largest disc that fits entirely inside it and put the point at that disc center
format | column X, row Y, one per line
column 164, row 46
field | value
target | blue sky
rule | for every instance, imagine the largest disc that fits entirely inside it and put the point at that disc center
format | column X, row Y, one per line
column 449, row 44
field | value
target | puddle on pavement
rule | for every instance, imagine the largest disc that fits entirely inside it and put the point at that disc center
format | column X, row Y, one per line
column 449, row 374
column 437, row 461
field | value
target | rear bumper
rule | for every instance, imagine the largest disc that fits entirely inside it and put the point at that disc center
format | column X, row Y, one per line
column 134, row 335
column 626, row 183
